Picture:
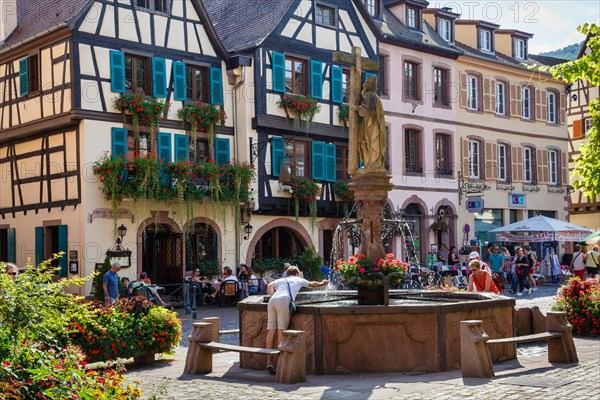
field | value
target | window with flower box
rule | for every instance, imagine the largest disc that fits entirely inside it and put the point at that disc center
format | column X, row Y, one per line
column 137, row 74
column 412, row 151
column 201, row 153
column 295, row 75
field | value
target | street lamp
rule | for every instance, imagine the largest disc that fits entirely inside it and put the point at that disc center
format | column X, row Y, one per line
column 121, row 231
column 248, row 229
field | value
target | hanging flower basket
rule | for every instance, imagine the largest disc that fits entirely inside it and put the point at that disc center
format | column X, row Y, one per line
column 343, row 195
column 305, row 191
column 344, row 114
column 439, row 226
column 204, row 117
column 299, row 107
column 144, row 111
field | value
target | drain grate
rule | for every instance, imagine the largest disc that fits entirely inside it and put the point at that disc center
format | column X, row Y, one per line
column 537, row 382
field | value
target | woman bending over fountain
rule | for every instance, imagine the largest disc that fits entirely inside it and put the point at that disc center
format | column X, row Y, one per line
column 278, row 308
column 480, row 281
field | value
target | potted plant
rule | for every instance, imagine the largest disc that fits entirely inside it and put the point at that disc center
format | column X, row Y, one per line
column 299, row 107
column 343, row 195
column 204, row 117
column 343, row 114
column 307, row 191
column 146, row 111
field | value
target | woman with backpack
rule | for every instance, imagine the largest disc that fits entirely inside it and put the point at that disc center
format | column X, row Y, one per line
column 577, row 265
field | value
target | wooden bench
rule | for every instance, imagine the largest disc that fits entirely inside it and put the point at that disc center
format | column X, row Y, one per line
column 475, row 355
column 291, row 367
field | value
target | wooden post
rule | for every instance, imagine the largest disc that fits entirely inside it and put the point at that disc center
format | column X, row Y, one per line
column 292, row 360
column 475, row 357
column 199, row 359
column 216, row 327
column 561, row 349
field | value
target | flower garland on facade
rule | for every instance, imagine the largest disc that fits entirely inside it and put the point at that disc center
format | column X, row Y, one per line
column 204, row 117
column 343, row 195
column 145, row 111
column 307, row 191
column 300, row 107
column 344, row 114
column 112, row 172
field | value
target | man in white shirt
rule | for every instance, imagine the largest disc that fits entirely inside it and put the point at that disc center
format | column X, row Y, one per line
column 282, row 291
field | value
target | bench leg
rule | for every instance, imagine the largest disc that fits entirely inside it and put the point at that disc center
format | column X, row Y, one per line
column 561, row 349
column 199, row 359
column 292, row 359
column 475, row 358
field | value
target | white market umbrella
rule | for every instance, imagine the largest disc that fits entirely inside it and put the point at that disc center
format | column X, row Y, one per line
column 541, row 229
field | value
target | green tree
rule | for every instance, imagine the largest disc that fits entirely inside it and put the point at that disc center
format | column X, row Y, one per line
column 586, row 68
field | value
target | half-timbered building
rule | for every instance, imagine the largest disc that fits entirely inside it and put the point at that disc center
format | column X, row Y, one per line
column 291, row 45
column 63, row 65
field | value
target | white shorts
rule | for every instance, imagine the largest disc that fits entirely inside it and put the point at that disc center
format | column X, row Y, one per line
column 278, row 313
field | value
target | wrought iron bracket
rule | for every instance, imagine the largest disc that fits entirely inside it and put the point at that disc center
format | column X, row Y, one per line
column 570, row 189
column 467, row 187
column 530, row 188
column 256, row 148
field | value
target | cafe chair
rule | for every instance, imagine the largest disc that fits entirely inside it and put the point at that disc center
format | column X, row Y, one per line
column 229, row 293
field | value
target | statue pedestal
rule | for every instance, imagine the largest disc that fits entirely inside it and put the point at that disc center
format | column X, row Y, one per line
column 371, row 194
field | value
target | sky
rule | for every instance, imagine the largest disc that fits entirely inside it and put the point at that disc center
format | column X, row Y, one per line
column 553, row 22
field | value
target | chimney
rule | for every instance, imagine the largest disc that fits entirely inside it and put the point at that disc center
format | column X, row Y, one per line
column 8, row 18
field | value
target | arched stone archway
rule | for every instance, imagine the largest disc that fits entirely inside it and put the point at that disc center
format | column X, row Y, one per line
column 450, row 217
column 212, row 226
column 421, row 223
column 290, row 224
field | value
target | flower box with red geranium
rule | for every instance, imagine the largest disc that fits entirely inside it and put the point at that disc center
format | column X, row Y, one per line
column 306, row 191
column 343, row 195
column 299, row 107
column 204, row 117
column 145, row 111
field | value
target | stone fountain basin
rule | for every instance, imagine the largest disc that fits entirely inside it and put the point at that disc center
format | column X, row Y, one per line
column 417, row 332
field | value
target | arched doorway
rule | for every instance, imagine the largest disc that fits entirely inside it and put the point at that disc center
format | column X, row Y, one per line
column 202, row 247
column 279, row 242
column 444, row 226
column 162, row 256
column 413, row 214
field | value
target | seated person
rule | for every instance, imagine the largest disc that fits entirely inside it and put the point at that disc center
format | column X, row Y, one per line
column 227, row 277
column 125, row 288
column 203, row 285
column 144, row 282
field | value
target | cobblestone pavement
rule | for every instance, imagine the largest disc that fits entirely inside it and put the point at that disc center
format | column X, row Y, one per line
column 528, row 377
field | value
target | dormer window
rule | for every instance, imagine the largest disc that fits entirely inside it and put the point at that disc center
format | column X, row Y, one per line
column 520, row 49
column 445, row 29
column 372, row 7
column 325, row 15
column 485, row 40
column 413, row 17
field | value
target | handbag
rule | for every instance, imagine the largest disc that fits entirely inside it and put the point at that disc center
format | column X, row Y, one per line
column 292, row 305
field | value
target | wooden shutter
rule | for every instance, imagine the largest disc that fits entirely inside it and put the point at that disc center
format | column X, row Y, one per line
column 39, row 245
column 538, row 104
column 491, row 161
column 222, row 151
column 179, row 83
column 563, row 110
column 11, row 252
column 515, row 100
column 181, row 148
column 465, row 157
column 318, row 161
column 337, row 95
column 330, row 162
column 164, row 147
column 24, row 76
column 544, row 102
column 542, row 166
column 159, row 77
column 493, row 95
column 487, row 95
column 316, row 79
column 463, row 91
column 517, row 163
column 564, row 168
column 277, row 154
column 278, row 70
column 117, row 71
column 63, row 245
column 577, row 129
column 216, row 86
column 119, row 142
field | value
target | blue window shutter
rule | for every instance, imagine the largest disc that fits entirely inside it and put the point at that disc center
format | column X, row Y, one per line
column 179, row 84
column 159, row 77
column 39, row 245
column 278, row 70
column 24, row 76
column 330, row 155
column 181, row 148
column 337, row 90
column 216, row 86
column 119, row 142
column 11, row 253
column 316, row 79
column 164, row 146
column 63, row 245
column 318, row 161
column 222, row 151
column 117, row 71
column 277, row 153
